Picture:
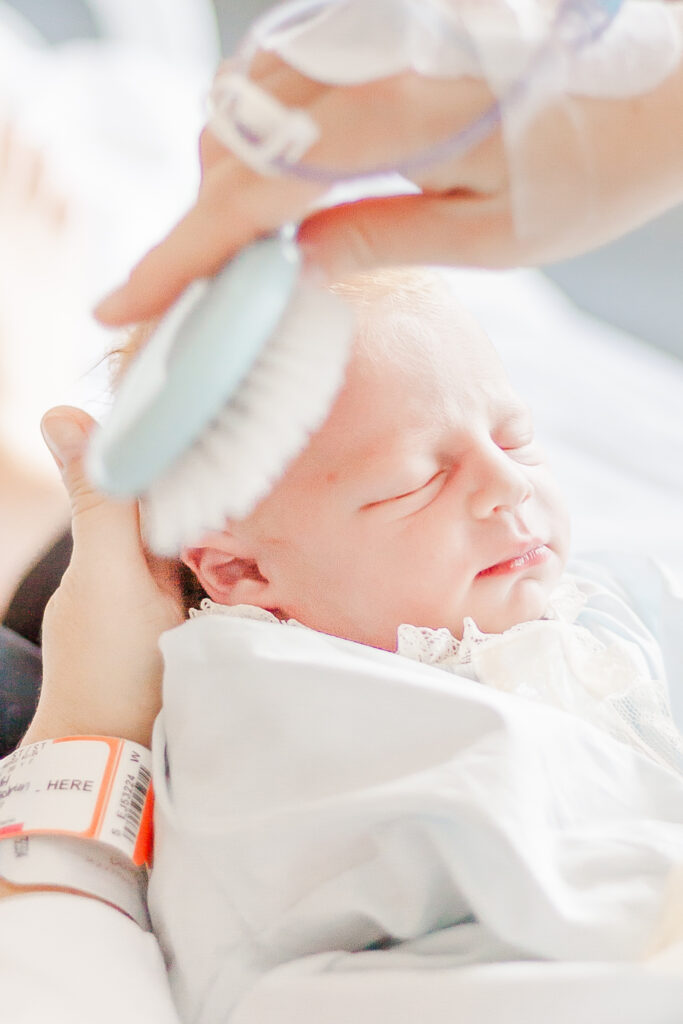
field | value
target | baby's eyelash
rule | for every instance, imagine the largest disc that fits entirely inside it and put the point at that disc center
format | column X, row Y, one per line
column 529, row 453
column 406, row 494
column 516, row 445
column 416, row 490
column 515, row 430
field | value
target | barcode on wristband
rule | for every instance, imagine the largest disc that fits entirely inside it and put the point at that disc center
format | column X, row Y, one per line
column 136, row 804
column 127, row 820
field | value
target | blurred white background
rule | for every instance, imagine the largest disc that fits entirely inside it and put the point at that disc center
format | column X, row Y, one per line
column 101, row 103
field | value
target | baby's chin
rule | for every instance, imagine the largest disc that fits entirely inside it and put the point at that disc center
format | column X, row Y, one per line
column 527, row 601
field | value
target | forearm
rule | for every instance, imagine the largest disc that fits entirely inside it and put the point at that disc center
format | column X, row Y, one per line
column 635, row 150
column 60, row 951
column 643, row 151
column 65, row 959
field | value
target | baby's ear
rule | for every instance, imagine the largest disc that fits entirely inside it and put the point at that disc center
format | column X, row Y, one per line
column 228, row 577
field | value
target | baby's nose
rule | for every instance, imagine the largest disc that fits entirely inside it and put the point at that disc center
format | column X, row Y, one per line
column 498, row 483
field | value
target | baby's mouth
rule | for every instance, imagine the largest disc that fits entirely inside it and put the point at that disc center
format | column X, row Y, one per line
column 533, row 555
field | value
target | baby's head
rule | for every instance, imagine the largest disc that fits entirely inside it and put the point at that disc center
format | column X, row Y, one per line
column 422, row 499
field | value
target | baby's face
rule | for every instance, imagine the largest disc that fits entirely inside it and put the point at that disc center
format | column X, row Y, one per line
column 423, row 499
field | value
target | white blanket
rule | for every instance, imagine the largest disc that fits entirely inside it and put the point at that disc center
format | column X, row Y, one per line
column 323, row 799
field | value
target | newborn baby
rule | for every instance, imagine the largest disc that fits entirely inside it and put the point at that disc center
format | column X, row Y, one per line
column 316, row 795
column 422, row 519
column 423, row 499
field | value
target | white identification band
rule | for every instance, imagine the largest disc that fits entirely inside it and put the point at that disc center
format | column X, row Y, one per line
column 69, row 863
column 76, row 812
column 256, row 127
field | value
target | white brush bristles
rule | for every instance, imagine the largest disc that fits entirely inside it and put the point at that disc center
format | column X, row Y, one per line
column 241, row 455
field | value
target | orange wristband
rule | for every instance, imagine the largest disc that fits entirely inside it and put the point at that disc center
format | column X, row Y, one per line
column 76, row 813
column 90, row 787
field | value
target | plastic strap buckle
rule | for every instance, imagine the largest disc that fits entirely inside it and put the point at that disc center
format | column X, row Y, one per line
column 256, row 127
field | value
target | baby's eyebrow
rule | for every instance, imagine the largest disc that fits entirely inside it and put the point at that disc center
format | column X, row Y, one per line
column 378, row 453
column 370, row 466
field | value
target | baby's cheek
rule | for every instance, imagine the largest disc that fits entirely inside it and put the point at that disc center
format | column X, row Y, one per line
column 555, row 508
column 563, row 528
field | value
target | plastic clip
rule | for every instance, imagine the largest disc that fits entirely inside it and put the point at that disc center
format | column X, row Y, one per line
column 256, row 127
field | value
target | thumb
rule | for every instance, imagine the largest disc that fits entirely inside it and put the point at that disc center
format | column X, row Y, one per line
column 459, row 228
column 96, row 519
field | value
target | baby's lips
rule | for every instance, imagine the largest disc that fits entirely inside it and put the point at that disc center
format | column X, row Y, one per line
column 532, row 554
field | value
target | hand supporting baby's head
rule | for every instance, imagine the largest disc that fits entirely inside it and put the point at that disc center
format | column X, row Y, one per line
column 422, row 499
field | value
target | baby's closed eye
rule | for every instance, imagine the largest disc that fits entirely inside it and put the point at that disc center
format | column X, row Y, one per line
column 412, row 498
column 516, row 438
column 526, row 451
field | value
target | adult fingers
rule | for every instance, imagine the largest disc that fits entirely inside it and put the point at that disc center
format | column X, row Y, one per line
column 209, row 234
column 99, row 524
column 461, row 228
column 236, row 205
column 400, row 116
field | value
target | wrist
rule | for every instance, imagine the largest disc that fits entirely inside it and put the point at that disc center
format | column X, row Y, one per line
column 45, row 727
column 49, row 724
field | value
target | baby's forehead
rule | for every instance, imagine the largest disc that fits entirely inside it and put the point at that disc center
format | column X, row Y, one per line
column 410, row 370
column 431, row 344
column 419, row 362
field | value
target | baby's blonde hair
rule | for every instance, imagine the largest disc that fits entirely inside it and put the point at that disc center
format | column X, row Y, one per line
column 397, row 291
column 400, row 312
column 123, row 355
column 386, row 298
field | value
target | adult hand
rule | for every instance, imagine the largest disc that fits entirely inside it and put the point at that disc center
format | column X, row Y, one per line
column 101, row 663
column 400, row 116
column 584, row 182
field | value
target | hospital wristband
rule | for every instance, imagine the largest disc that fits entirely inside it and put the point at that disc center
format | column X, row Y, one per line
column 76, row 812
column 76, row 864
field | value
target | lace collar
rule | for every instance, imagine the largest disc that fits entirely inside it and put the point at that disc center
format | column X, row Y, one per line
column 553, row 659
column 433, row 646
